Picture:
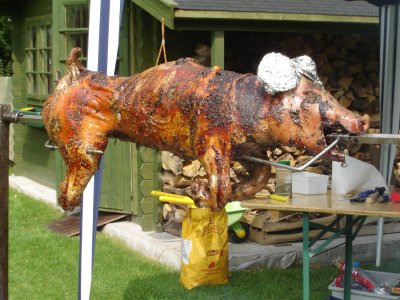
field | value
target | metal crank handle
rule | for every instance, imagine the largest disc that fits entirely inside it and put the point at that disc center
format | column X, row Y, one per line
column 296, row 169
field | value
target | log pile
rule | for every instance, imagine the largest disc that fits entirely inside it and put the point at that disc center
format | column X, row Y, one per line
column 349, row 69
column 348, row 65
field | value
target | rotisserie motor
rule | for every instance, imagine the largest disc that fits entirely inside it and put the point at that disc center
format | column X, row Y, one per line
column 192, row 111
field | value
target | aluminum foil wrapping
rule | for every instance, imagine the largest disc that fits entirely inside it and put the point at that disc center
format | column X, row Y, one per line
column 306, row 66
column 279, row 73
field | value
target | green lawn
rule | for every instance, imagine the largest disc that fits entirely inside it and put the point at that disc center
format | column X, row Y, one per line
column 44, row 265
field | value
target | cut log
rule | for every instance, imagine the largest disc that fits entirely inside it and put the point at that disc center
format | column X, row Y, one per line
column 345, row 82
column 355, row 68
column 168, row 211
column 358, row 89
column 345, row 101
column 350, row 95
column 371, row 98
column 171, row 162
column 339, row 93
column 179, row 181
column 192, row 169
column 327, row 69
column 338, row 63
column 331, row 52
column 174, row 190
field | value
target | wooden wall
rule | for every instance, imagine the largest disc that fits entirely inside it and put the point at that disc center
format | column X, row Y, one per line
column 31, row 158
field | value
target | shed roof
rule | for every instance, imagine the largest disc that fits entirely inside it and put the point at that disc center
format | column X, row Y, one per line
column 206, row 14
column 326, row 7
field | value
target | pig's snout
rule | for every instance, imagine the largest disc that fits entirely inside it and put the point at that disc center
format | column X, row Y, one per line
column 356, row 124
column 364, row 123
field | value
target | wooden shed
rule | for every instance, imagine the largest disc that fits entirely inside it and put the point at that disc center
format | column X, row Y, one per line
column 237, row 34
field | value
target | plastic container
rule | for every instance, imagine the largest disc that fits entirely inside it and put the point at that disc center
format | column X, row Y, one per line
column 308, row 183
column 362, row 280
column 283, row 183
column 390, row 278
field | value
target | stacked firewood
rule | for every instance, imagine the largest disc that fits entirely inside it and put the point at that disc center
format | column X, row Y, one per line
column 349, row 68
column 348, row 65
column 178, row 175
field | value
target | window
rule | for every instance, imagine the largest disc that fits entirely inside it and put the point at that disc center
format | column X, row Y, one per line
column 75, row 23
column 38, row 61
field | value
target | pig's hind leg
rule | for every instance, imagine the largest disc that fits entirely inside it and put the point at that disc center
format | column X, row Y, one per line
column 258, row 177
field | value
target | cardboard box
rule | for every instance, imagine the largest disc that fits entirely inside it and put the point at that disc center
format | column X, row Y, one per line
column 309, row 183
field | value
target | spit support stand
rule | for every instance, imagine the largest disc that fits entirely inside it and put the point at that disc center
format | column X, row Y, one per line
column 338, row 139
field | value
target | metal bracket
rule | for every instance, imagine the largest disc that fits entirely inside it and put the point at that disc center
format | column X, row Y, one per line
column 94, row 151
column 11, row 117
column 50, row 145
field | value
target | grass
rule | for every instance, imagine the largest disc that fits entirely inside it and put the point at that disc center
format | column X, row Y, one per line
column 44, row 265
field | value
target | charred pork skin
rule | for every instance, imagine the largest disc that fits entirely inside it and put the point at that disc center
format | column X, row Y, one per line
column 192, row 111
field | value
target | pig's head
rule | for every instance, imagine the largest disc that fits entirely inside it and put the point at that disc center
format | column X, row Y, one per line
column 308, row 113
column 299, row 111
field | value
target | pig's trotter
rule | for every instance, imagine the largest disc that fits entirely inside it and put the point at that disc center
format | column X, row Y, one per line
column 259, row 176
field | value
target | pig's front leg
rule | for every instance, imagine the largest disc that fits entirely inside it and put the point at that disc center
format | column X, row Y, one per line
column 259, row 176
column 216, row 163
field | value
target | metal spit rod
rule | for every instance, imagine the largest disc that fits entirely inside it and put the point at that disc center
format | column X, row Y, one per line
column 374, row 138
column 15, row 117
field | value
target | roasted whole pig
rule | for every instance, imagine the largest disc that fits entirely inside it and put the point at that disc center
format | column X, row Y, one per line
column 192, row 111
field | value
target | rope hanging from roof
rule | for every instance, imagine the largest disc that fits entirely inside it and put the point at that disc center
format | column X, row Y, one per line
column 162, row 46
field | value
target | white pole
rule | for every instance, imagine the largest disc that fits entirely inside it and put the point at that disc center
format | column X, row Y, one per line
column 98, row 43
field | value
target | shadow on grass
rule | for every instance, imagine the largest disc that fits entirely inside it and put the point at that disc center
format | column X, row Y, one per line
column 268, row 284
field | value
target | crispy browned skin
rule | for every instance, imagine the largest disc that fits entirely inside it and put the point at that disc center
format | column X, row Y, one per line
column 192, row 111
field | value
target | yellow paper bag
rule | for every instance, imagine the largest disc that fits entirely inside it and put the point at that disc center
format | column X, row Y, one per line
column 204, row 254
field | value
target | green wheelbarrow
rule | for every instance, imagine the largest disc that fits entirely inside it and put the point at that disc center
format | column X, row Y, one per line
column 238, row 232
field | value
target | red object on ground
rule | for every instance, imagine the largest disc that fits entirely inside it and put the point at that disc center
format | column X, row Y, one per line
column 395, row 196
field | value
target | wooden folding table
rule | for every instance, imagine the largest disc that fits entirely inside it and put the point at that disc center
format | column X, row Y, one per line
column 354, row 213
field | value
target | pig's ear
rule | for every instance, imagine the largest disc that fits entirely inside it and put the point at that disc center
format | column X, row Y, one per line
column 306, row 66
column 278, row 73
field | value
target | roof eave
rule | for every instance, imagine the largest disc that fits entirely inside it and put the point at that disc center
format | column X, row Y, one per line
column 268, row 16
column 159, row 9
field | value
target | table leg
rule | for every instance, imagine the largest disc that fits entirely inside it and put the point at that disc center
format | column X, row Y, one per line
column 348, row 257
column 306, row 256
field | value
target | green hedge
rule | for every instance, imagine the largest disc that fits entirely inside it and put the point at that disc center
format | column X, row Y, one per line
column 5, row 46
